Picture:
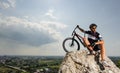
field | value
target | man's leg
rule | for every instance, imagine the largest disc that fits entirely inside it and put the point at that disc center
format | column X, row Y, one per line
column 87, row 43
column 102, row 47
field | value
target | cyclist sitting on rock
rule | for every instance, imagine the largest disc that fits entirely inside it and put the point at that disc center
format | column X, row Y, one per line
column 94, row 42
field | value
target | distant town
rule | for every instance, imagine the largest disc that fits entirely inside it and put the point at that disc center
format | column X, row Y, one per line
column 30, row 64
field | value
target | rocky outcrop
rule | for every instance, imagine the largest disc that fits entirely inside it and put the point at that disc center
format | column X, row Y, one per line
column 81, row 62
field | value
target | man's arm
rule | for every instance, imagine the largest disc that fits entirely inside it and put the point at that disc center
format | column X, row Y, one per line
column 99, row 42
column 82, row 30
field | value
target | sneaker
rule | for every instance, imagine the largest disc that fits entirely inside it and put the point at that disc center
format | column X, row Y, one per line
column 97, row 53
column 92, row 52
column 104, row 63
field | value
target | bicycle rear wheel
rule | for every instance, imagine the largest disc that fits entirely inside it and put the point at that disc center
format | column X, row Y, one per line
column 70, row 44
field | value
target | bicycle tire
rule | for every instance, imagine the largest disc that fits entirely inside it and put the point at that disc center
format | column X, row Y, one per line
column 70, row 39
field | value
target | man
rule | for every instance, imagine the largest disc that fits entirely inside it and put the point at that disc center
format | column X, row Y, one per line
column 94, row 42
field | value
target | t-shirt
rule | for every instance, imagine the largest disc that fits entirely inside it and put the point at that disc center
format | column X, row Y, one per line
column 93, row 37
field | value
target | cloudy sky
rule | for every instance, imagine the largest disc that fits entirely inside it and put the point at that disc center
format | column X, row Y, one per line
column 38, row 27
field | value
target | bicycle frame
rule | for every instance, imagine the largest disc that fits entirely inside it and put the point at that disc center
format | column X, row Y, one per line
column 79, row 37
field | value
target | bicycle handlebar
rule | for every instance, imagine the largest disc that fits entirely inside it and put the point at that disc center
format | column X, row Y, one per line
column 75, row 29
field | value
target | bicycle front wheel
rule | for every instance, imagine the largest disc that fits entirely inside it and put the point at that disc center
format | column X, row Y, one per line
column 70, row 44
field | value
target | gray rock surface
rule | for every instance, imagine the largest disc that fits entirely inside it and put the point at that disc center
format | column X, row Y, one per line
column 81, row 62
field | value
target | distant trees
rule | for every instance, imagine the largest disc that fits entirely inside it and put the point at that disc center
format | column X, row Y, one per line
column 118, row 64
column 30, row 64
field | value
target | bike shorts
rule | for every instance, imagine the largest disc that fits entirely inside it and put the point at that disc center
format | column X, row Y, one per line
column 96, row 48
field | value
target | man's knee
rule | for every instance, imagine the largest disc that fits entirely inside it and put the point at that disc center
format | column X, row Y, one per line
column 84, row 39
column 102, row 42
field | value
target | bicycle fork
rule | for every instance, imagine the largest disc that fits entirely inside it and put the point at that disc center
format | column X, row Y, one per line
column 72, row 44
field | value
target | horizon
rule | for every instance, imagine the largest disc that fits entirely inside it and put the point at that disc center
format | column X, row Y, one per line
column 39, row 56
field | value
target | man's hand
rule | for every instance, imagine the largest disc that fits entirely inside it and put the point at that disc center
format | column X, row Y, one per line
column 82, row 30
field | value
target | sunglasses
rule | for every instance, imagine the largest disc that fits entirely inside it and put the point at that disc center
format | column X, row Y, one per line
column 93, row 28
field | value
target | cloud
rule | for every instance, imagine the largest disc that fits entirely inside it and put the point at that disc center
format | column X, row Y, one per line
column 27, row 32
column 4, row 4
column 55, row 25
column 50, row 13
column 12, row 3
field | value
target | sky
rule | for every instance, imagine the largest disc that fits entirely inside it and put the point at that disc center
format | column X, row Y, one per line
column 38, row 27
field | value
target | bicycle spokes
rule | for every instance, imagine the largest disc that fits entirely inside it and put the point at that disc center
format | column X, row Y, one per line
column 70, row 44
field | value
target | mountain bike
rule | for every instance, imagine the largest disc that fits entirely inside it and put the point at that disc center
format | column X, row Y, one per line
column 72, row 43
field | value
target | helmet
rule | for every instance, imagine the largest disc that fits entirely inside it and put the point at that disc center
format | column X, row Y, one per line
column 91, row 25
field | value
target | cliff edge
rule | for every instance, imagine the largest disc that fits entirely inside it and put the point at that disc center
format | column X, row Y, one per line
column 81, row 62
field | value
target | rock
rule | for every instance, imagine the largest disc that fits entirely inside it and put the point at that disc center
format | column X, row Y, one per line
column 81, row 62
